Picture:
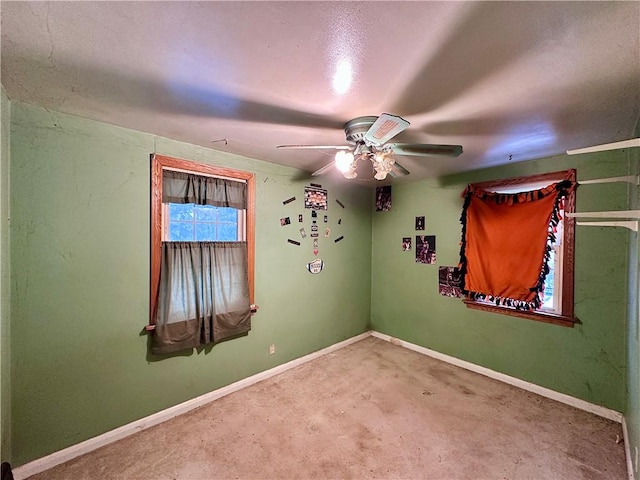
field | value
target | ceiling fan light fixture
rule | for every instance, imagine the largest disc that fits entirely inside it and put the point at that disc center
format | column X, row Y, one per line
column 380, row 175
column 367, row 137
column 344, row 161
column 383, row 157
column 351, row 173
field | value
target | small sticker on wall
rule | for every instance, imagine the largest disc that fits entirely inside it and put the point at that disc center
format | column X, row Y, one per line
column 300, row 218
column 406, row 244
column 339, row 221
column 288, row 200
column 314, row 235
column 314, row 214
column 339, row 203
column 315, row 252
column 338, row 239
column 315, row 243
column 326, row 218
column 420, row 223
column 294, row 242
column 327, row 232
column 316, row 266
column 303, row 233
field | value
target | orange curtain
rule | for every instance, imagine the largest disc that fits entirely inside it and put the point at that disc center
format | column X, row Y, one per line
column 505, row 243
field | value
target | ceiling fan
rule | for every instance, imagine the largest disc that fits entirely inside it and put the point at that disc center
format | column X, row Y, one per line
column 367, row 139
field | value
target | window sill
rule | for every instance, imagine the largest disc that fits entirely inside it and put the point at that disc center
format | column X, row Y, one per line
column 561, row 320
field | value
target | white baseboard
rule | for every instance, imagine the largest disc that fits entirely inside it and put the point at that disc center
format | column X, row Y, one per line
column 40, row 465
column 627, row 449
column 516, row 382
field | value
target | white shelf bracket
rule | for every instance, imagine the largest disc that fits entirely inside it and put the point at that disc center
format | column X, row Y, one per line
column 632, row 179
column 630, row 224
column 634, row 142
column 612, row 214
column 630, row 219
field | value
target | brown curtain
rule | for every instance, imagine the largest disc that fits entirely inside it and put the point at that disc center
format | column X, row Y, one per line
column 506, row 243
column 203, row 295
column 182, row 187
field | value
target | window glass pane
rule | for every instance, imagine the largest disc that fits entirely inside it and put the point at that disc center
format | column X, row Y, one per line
column 227, row 214
column 180, row 232
column 547, row 301
column 227, row 232
column 206, row 213
column 178, row 211
column 189, row 222
column 206, row 232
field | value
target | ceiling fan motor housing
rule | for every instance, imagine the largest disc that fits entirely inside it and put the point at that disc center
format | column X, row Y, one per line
column 356, row 129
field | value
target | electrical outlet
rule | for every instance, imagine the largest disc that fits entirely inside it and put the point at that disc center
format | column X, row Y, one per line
column 272, row 350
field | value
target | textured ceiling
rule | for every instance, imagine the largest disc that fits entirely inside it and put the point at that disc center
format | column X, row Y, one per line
column 509, row 81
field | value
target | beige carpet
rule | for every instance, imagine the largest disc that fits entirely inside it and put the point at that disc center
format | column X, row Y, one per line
column 370, row 410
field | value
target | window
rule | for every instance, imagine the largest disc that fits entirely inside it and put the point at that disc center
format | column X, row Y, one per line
column 191, row 222
column 202, row 253
column 556, row 299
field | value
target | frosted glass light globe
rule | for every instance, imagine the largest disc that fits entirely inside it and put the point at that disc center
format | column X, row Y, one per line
column 344, row 161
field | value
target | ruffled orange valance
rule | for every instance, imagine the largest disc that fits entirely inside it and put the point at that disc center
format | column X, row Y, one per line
column 505, row 243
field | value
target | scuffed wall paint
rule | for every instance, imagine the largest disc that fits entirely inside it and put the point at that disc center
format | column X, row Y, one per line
column 587, row 361
column 80, row 193
column 5, row 346
column 632, row 412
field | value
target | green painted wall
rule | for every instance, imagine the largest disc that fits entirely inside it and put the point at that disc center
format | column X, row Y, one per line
column 587, row 361
column 5, row 358
column 79, row 259
column 80, row 269
column 632, row 413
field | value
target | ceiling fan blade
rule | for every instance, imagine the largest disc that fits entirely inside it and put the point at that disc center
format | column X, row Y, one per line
column 384, row 129
column 398, row 170
column 323, row 170
column 423, row 149
column 317, row 147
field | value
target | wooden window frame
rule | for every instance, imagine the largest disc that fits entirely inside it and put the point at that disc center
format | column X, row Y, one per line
column 160, row 162
column 567, row 317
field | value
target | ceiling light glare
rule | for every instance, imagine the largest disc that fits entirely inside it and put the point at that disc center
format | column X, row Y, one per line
column 344, row 160
column 342, row 77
